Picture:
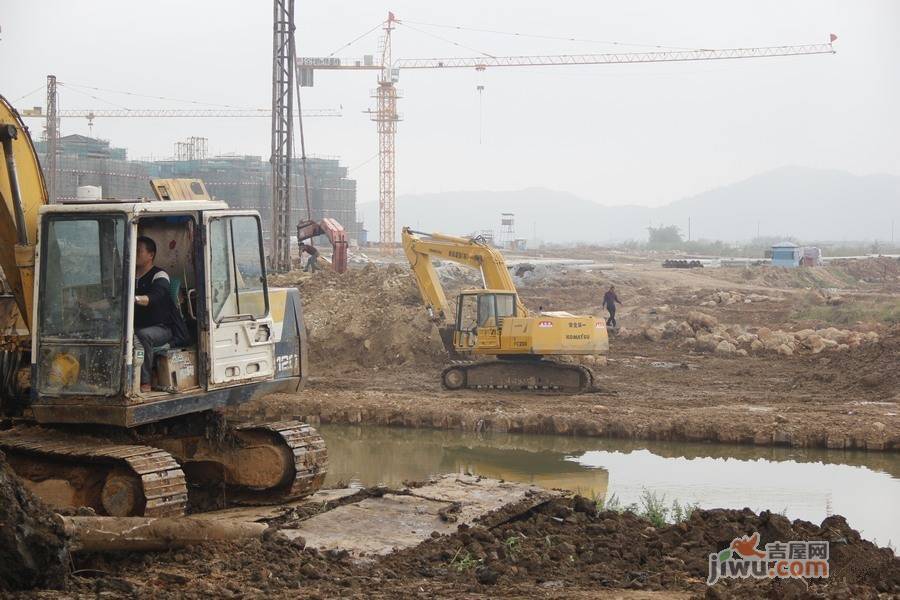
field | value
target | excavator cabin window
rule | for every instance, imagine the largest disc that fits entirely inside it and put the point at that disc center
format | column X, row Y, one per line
column 484, row 310
column 81, row 310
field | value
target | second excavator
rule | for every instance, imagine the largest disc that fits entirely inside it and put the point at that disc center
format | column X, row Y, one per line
column 504, row 345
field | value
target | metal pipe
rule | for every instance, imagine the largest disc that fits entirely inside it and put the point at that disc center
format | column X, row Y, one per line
column 7, row 134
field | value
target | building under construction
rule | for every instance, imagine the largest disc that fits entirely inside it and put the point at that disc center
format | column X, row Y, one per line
column 241, row 181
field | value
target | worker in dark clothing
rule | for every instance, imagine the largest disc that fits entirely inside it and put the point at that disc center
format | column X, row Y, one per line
column 609, row 303
column 312, row 263
column 157, row 320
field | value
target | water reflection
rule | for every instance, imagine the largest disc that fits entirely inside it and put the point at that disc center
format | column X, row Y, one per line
column 807, row 484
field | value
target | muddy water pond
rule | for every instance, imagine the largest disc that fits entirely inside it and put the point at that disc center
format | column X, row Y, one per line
column 804, row 484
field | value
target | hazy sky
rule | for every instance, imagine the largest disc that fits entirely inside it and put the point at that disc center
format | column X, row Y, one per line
column 641, row 134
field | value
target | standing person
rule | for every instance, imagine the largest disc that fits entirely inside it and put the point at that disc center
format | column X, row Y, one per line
column 156, row 318
column 609, row 303
column 312, row 262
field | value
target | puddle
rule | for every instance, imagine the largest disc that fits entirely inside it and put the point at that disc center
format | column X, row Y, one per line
column 804, row 484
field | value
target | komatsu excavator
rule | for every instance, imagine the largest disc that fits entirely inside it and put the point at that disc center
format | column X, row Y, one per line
column 516, row 347
column 74, row 423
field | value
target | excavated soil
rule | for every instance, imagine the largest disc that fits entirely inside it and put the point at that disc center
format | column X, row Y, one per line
column 561, row 549
column 32, row 543
column 370, row 317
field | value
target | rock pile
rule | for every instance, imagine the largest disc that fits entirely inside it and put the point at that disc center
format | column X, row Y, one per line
column 725, row 298
column 703, row 333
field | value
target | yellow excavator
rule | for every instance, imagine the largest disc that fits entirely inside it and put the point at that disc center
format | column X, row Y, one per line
column 75, row 424
column 515, row 347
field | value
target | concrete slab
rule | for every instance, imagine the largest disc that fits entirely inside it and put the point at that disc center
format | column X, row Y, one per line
column 378, row 526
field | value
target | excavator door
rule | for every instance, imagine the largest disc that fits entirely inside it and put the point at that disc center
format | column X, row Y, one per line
column 480, row 320
column 241, row 345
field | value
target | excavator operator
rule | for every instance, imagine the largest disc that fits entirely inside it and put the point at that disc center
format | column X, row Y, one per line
column 157, row 321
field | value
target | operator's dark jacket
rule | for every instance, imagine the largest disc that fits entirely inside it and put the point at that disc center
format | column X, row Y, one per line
column 161, row 310
column 609, row 301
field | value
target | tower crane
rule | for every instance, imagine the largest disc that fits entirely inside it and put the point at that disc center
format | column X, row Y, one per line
column 386, row 117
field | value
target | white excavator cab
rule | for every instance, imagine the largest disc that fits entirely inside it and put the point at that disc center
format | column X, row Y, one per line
column 86, row 367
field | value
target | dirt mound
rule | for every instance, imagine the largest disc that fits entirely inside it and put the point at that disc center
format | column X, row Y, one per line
column 563, row 545
column 870, row 367
column 371, row 317
column 32, row 544
column 785, row 278
column 871, row 270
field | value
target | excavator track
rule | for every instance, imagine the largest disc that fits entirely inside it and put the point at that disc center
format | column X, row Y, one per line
column 310, row 463
column 518, row 375
column 128, row 480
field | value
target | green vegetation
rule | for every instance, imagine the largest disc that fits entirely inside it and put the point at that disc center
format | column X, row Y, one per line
column 464, row 562
column 513, row 545
column 652, row 507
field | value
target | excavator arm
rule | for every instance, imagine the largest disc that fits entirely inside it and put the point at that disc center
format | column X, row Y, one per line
column 22, row 193
column 421, row 248
column 335, row 233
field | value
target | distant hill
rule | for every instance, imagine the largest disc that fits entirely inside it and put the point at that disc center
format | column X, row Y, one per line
column 810, row 204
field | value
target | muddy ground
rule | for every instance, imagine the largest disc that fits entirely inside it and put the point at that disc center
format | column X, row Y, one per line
column 377, row 359
column 565, row 548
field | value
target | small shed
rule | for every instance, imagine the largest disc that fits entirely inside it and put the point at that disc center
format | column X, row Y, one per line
column 786, row 254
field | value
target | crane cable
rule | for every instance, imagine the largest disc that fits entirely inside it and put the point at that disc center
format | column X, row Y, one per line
column 449, row 41
column 139, row 95
column 547, row 37
column 356, row 39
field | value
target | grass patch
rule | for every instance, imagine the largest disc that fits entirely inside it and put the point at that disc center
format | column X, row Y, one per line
column 464, row 562
column 652, row 506
column 513, row 544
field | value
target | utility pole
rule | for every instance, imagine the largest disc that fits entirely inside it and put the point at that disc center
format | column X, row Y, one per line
column 282, row 133
column 689, row 229
column 51, row 173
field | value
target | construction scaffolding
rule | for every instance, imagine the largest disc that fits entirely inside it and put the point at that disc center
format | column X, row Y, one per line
column 240, row 181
